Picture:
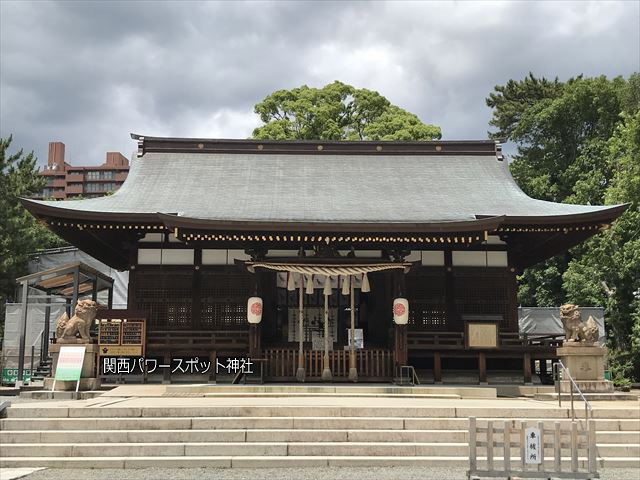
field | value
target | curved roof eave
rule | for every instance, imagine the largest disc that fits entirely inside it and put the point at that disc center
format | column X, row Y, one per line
column 39, row 208
column 604, row 214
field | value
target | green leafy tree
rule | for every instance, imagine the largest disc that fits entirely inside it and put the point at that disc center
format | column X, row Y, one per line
column 577, row 142
column 608, row 270
column 337, row 112
column 20, row 233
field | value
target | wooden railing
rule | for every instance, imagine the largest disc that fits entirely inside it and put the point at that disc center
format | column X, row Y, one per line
column 417, row 340
column 372, row 364
column 420, row 340
column 195, row 342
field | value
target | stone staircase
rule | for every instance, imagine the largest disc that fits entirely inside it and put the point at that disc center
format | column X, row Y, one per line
column 113, row 436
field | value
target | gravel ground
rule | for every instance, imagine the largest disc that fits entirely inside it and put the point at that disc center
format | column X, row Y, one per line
column 379, row 473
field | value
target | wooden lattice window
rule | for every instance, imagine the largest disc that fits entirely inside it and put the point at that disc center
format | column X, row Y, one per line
column 166, row 297
column 482, row 293
column 427, row 301
column 223, row 299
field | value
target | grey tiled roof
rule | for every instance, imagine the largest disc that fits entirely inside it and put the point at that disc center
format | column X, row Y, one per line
column 322, row 188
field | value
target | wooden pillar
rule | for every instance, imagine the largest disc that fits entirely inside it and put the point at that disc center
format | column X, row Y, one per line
column 110, row 298
column 512, row 300
column 23, row 334
column 255, row 348
column 47, row 330
column 449, row 292
column 437, row 368
column 76, row 290
column 326, row 367
column 196, row 298
column 400, row 345
column 401, row 355
column 300, row 373
column 526, row 367
column 482, row 368
column 353, row 370
column 213, row 358
column 131, row 289
column 166, row 374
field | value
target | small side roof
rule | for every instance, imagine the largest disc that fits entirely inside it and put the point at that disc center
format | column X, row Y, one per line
column 60, row 280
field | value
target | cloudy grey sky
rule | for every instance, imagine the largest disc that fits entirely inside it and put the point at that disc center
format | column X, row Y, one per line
column 88, row 73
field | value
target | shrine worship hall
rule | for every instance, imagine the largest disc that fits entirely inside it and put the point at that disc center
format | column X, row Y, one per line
column 327, row 261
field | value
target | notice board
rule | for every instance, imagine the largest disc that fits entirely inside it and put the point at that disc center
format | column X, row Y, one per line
column 121, row 333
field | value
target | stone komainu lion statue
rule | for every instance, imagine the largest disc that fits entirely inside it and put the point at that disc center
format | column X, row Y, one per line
column 67, row 328
column 575, row 330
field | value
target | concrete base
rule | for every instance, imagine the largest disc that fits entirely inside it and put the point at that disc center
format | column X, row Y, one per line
column 592, row 397
column 89, row 367
column 57, row 395
column 300, row 374
column 88, row 380
column 588, row 386
column 300, row 391
column 585, row 362
column 86, row 384
column 326, row 375
column 353, row 374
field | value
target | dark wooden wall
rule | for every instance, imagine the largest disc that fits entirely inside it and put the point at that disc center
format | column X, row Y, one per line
column 439, row 297
column 183, row 298
column 214, row 298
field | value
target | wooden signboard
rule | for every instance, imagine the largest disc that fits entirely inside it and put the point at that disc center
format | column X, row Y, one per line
column 121, row 333
column 481, row 335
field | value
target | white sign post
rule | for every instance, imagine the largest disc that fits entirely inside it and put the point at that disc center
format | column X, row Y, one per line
column 532, row 445
column 359, row 337
column 69, row 367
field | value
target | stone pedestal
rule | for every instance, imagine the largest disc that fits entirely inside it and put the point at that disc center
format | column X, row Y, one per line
column 585, row 362
column 88, row 376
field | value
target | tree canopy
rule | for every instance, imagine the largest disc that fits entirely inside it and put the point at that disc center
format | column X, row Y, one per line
column 579, row 142
column 20, row 233
column 337, row 112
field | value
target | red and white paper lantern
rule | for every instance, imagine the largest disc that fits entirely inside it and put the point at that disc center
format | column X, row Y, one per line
column 401, row 311
column 254, row 310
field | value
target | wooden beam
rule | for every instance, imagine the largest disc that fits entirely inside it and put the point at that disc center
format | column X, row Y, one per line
column 482, row 368
column 437, row 367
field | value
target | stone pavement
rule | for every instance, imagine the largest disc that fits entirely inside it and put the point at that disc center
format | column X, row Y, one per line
column 357, row 473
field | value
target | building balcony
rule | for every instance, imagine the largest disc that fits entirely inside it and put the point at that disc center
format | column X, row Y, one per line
column 58, row 182
column 75, row 177
column 59, row 195
column 74, row 189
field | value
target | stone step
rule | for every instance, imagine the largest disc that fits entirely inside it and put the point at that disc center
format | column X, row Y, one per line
column 617, row 437
column 303, row 411
column 279, row 461
column 226, row 423
column 265, row 435
column 618, row 449
column 269, row 449
column 190, row 436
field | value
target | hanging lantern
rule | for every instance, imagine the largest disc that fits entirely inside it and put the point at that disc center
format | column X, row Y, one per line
column 345, row 284
column 401, row 311
column 291, row 282
column 254, row 310
column 366, row 288
column 309, row 284
column 327, row 285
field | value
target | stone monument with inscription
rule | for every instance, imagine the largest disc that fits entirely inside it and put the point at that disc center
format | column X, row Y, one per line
column 581, row 354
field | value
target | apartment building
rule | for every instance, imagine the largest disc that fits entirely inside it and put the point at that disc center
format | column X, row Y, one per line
column 66, row 181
